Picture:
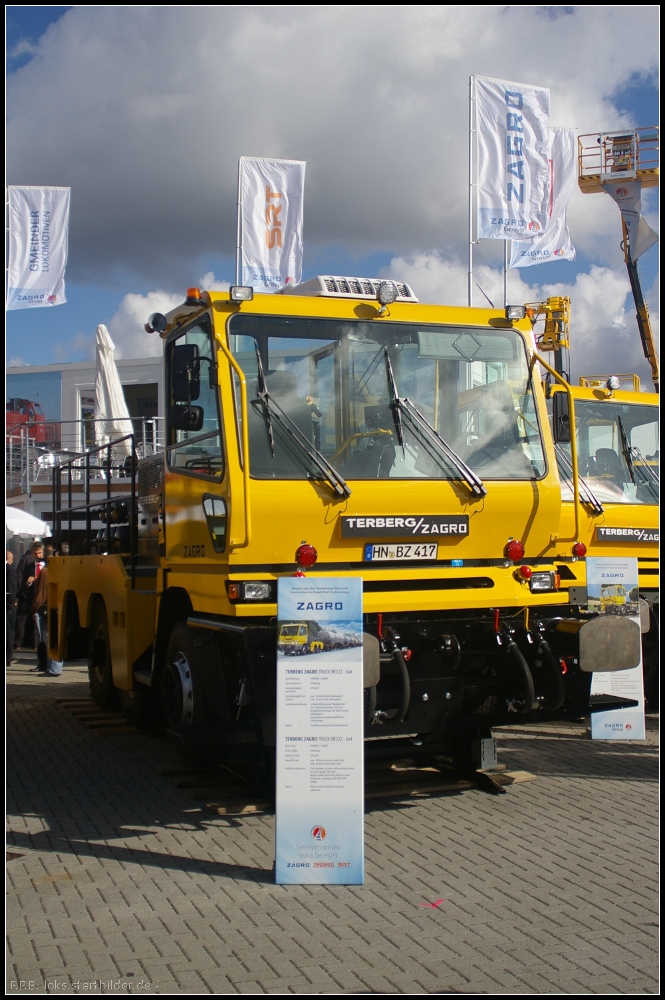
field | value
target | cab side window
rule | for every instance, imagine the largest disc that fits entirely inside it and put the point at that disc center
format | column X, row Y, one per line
column 194, row 435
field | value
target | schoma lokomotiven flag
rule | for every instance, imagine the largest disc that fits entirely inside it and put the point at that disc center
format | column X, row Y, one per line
column 271, row 219
column 513, row 170
column 38, row 228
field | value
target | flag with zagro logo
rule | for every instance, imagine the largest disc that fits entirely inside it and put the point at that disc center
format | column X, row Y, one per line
column 271, row 222
column 513, row 173
column 554, row 242
column 38, row 222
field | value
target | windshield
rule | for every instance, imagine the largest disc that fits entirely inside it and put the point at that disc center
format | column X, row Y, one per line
column 613, row 475
column 331, row 380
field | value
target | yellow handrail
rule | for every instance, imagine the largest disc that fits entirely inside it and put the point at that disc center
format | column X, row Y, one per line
column 245, row 445
column 573, row 444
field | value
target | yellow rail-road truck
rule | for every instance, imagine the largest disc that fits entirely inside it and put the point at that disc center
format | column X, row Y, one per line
column 617, row 472
column 338, row 428
column 617, row 436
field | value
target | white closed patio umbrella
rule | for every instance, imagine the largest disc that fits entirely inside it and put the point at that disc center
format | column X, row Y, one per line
column 19, row 522
column 112, row 418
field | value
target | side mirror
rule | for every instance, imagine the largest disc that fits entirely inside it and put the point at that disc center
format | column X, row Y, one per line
column 185, row 373
column 186, row 418
column 560, row 418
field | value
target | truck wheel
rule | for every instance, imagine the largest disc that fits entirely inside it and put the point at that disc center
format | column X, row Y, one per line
column 100, row 670
column 178, row 679
column 180, row 686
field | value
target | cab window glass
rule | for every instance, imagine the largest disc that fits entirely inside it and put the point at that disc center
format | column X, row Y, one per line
column 195, row 442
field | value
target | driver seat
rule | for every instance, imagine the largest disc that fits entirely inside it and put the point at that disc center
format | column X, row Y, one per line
column 609, row 466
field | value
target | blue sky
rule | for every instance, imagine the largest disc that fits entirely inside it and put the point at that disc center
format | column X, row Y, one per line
column 144, row 111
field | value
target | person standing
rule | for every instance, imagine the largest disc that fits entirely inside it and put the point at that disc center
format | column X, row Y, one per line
column 52, row 668
column 27, row 571
column 11, row 588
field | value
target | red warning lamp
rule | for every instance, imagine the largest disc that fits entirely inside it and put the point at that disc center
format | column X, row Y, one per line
column 306, row 555
column 514, row 550
column 579, row 549
column 525, row 572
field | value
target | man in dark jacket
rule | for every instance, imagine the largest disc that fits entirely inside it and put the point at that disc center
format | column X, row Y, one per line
column 27, row 571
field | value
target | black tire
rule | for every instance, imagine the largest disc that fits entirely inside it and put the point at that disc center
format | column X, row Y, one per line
column 100, row 670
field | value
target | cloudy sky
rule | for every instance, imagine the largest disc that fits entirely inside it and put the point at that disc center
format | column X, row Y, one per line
column 144, row 110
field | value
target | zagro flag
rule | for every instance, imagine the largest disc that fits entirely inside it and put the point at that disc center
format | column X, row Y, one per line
column 38, row 227
column 513, row 173
column 271, row 215
column 554, row 243
column 628, row 196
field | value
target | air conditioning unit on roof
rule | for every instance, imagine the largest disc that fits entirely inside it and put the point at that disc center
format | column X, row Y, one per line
column 334, row 286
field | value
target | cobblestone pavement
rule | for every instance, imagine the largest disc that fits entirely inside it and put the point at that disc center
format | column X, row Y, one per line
column 117, row 882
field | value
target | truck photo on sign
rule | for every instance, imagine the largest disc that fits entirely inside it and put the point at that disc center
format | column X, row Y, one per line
column 319, row 788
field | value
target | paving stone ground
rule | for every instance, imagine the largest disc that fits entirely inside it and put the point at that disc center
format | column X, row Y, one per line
column 119, row 883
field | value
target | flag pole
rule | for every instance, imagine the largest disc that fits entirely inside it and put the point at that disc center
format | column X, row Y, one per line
column 505, row 272
column 470, row 282
column 239, row 225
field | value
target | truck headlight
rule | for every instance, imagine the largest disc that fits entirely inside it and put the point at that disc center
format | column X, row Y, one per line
column 543, row 581
column 251, row 590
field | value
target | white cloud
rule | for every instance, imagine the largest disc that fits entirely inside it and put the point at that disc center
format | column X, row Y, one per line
column 127, row 325
column 23, row 48
column 81, row 346
column 16, row 362
column 210, row 283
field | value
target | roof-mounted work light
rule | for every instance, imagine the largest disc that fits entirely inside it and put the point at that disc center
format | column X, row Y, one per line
column 387, row 293
column 241, row 293
column 515, row 312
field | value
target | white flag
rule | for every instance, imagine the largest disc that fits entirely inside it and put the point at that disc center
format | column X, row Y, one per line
column 271, row 222
column 628, row 196
column 554, row 243
column 513, row 171
column 38, row 228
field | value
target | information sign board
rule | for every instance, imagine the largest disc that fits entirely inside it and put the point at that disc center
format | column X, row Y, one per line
column 320, row 786
column 612, row 588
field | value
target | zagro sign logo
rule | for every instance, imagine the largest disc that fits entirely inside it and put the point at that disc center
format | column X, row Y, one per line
column 319, row 833
column 627, row 535
column 401, row 527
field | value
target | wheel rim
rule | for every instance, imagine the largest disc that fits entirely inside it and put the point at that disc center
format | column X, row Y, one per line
column 178, row 692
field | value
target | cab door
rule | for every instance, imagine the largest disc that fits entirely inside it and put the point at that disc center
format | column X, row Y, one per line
column 196, row 488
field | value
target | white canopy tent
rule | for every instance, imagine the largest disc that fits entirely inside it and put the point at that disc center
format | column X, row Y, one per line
column 18, row 522
column 112, row 418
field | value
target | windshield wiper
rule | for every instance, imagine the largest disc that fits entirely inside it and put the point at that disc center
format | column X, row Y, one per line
column 632, row 454
column 273, row 411
column 395, row 402
column 263, row 396
column 587, row 495
column 402, row 406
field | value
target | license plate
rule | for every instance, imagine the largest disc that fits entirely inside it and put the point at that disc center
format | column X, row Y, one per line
column 392, row 552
